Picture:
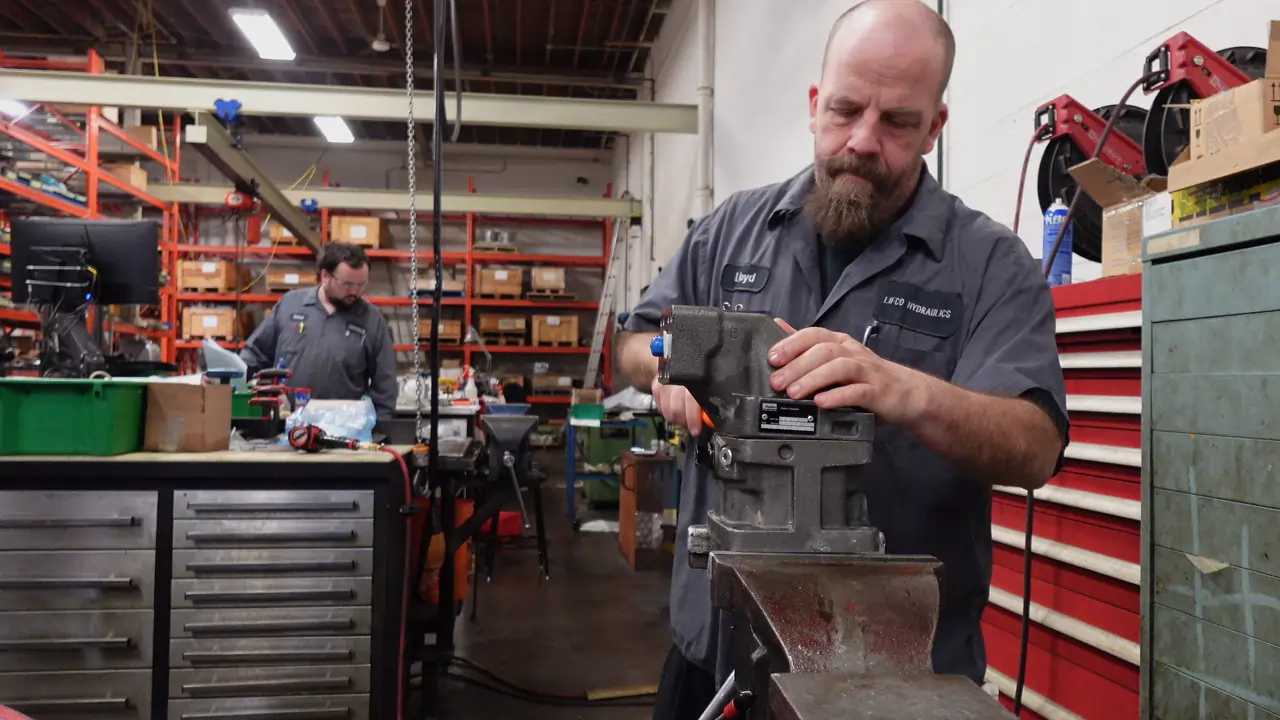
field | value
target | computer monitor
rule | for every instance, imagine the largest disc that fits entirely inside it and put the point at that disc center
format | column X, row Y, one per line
column 70, row 263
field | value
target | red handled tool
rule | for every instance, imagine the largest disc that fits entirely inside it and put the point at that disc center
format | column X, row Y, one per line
column 312, row 439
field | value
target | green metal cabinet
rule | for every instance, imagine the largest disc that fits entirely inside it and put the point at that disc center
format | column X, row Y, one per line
column 1211, row 470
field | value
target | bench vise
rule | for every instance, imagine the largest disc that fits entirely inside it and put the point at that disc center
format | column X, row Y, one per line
column 817, row 621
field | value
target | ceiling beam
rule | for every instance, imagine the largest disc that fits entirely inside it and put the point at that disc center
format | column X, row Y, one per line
column 117, row 52
column 216, row 145
column 295, row 100
column 398, row 201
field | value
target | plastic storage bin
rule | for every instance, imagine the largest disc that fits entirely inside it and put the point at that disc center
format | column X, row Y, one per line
column 71, row 417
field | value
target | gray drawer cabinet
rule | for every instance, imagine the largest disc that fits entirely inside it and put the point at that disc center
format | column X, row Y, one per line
column 77, row 603
column 1211, row 470
column 200, row 603
column 271, row 598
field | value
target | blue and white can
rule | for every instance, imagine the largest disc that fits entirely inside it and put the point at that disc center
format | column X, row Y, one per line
column 1060, row 273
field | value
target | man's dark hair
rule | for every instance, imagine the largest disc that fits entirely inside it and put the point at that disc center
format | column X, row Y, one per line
column 333, row 254
column 941, row 31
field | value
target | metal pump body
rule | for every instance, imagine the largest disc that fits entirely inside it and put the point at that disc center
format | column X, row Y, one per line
column 787, row 470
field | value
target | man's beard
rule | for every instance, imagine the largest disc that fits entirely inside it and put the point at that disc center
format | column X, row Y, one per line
column 847, row 212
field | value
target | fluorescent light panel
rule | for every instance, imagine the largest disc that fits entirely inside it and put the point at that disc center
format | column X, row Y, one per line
column 334, row 129
column 263, row 33
column 13, row 108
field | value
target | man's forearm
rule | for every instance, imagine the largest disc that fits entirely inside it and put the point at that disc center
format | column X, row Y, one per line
column 995, row 440
column 638, row 366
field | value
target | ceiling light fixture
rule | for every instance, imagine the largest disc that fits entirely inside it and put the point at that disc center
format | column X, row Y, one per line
column 263, row 33
column 334, row 129
column 13, row 108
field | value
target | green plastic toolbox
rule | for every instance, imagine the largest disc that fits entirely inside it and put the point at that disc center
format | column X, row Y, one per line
column 40, row 416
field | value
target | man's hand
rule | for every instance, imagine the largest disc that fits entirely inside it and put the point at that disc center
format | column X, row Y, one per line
column 838, row 371
column 677, row 406
column 996, row 440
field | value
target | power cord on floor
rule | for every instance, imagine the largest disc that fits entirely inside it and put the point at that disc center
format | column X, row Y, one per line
column 488, row 680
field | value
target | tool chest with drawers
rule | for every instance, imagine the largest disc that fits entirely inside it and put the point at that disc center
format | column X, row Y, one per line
column 251, row 596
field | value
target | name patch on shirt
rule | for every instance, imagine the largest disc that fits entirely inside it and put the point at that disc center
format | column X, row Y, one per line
column 931, row 312
column 353, row 329
column 744, row 278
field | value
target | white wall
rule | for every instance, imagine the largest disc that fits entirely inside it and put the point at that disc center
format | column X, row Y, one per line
column 767, row 53
column 1004, row 72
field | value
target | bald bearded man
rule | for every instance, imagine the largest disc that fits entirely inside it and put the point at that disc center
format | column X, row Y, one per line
column 914, row 307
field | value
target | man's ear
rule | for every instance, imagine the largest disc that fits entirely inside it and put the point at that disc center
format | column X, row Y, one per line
column 935, row 128
column 813, row 107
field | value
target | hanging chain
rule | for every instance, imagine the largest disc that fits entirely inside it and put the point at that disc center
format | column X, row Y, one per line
column 412, row 165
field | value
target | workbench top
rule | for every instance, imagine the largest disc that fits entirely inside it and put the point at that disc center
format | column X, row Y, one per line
column 281, row 455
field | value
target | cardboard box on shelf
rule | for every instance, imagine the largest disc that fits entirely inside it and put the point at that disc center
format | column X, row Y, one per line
column 501, row 323
column 280, row 234
column 212, row 322
column 450, row 330
column 207, row 275
column 1122, row 199
column 499, row 282
column 588, row 396
column 148, row 135
column 128, row 172
column 187, row 418
column 370, row 232
column 547, row 278
column 552, row 384
column 1255, row 151
column 286, row 279
column 555, row 330
column 1235, row 117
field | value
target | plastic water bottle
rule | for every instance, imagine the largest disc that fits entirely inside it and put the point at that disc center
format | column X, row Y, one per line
column 1060, row 273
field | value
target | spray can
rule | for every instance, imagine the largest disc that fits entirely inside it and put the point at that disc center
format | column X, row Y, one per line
column 1060, row 273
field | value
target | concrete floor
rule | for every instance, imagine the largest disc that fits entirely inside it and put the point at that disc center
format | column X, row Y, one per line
column 595, row 624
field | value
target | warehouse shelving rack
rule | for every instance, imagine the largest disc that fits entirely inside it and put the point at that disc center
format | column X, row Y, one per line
column 470, row 259
column 69, row 145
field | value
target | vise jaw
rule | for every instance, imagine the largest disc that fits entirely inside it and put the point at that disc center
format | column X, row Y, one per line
column 787, row 471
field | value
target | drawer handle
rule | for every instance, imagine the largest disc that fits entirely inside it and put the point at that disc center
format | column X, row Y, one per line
column 197, row 596
column 108, row 643
column 216, row 507
column 73, row 705
column 35, row 583
column 304, row 714
column 261, row 687
column 213, row 656
column 280, row 536
column 271, row 567
column 252, row 626
column 28, row 523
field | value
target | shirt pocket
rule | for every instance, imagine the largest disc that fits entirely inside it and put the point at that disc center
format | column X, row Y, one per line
column 352, row 355
column 291, row 343
column 916, row 350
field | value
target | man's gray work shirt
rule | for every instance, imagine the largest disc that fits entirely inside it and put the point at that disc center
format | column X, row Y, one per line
column 342, row 356
column 945, row 290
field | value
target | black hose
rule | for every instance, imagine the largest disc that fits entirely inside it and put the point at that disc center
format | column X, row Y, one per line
column 1026, row 604
column 1047, row 262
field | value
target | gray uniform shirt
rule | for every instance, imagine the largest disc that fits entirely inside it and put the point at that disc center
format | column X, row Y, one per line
column 342, row 356
column 945, row 290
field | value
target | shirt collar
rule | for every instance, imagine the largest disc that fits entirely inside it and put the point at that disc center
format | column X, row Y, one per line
column 312, row 296
column 926, row 219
